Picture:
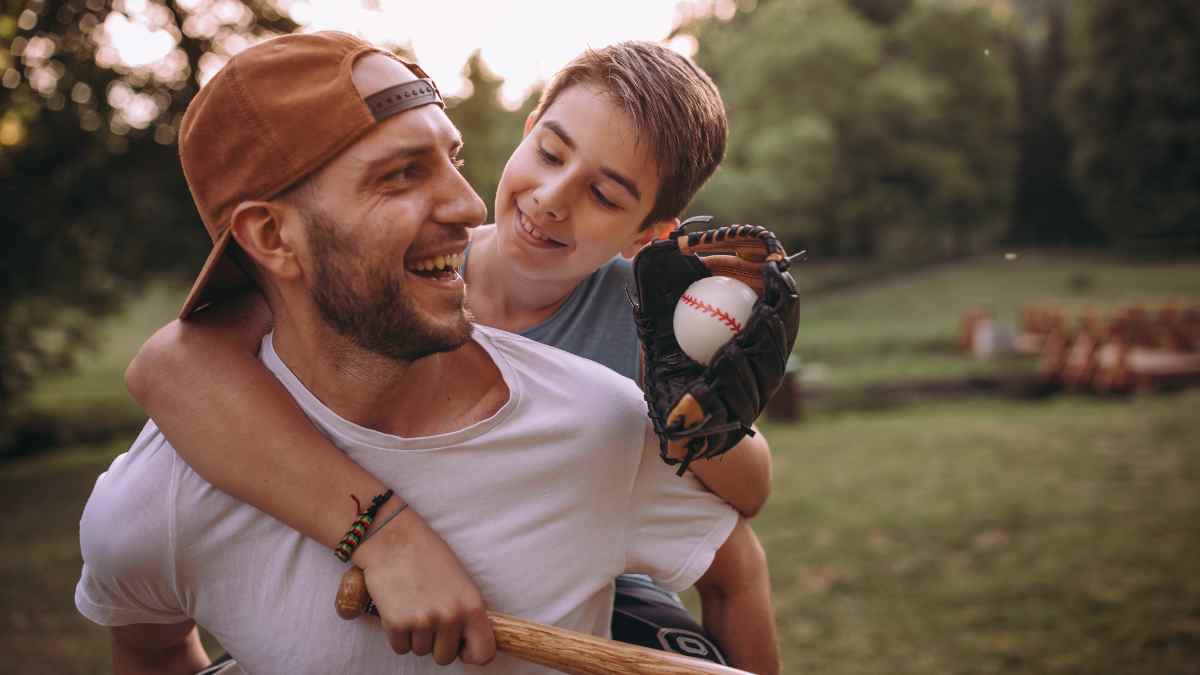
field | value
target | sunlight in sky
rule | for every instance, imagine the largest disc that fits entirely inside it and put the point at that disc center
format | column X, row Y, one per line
column 524, row 41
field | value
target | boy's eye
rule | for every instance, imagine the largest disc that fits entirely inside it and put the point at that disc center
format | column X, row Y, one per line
column 604, row 201
column 548, row 157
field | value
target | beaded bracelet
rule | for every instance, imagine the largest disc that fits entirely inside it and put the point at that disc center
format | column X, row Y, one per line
column 354, row 536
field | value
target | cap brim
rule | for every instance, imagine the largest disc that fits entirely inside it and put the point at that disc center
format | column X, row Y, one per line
column 220, row 277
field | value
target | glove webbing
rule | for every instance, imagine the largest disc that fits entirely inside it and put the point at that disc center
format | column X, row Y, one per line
column 745, row 240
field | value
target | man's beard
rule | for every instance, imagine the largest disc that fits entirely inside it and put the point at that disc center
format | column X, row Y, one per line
column 366, row 301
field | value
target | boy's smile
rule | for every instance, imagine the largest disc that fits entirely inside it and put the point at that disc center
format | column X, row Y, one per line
column 537, row 237
column 576, row 190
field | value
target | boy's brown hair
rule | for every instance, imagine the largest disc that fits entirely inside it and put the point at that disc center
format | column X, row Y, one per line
column 675, row 107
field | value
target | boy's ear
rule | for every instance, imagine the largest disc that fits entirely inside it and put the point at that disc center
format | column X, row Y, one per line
column 260, row 230
column 530, row 120
column 654, row 232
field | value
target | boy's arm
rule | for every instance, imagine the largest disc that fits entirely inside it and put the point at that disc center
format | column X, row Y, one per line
column 157, row 649
column 237, row 426
column 735, row 597
column 741, row 476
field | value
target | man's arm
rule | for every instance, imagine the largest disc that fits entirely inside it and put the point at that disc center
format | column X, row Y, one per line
column 157, row 649
column 735, row 595
column 741, row 476
column 198, row 380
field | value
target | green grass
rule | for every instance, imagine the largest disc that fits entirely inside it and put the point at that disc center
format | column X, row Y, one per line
column 907, row 328
column 1002, row 536
column 95, row 390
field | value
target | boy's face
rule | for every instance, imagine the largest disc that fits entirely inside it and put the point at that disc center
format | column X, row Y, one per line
column 576, row 190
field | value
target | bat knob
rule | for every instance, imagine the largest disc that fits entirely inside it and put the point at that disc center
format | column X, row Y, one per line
column 352, row 597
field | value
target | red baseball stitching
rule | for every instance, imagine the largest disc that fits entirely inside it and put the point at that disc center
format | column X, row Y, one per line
column 708, row 309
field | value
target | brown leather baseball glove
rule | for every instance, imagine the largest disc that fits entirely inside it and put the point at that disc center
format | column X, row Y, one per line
column 702, row 411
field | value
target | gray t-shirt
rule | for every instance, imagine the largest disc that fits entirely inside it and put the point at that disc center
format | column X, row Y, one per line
column 596, row 321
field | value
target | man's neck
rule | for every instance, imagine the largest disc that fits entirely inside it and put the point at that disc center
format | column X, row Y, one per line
column 500, row 297
column 435, row 394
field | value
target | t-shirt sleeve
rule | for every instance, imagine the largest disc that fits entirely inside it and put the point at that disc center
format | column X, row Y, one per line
column 677, row 524
column 125, row 536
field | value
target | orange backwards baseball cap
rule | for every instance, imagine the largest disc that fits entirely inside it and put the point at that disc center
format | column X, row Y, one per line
column 275, row 113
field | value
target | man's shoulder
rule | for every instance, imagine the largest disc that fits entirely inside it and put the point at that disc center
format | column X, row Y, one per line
column 126, row 522
column 528, row 354
column 539, row 362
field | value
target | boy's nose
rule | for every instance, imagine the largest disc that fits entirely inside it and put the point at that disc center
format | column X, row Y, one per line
column 549, row 199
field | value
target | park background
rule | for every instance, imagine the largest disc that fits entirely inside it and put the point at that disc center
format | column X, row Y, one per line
column 936, row 158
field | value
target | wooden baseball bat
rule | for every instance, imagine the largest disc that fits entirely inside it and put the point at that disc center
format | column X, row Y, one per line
column 564, row 650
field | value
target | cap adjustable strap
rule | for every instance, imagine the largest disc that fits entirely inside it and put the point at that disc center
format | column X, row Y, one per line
column 383, row 104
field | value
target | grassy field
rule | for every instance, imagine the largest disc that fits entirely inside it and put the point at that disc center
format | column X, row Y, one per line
column 907, row 328
column 974, row 536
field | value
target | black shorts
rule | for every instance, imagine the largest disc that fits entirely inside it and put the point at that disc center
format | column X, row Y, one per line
column 649, row 616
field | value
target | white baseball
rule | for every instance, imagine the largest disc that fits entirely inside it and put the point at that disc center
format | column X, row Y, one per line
column 709, row 313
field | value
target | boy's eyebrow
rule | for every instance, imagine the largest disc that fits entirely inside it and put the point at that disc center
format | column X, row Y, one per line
column 616, row 177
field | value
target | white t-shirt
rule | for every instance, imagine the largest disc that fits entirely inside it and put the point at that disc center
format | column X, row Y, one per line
column 544, row 503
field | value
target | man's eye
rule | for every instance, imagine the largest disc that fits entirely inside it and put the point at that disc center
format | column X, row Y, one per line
column 400, row 174
column 458, row 162
column 549, row 158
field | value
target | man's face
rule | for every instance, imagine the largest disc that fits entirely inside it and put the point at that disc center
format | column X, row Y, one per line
column 576, row 190
column 386, row 224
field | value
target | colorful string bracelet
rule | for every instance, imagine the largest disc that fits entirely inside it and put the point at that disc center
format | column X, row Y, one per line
column 354, row 536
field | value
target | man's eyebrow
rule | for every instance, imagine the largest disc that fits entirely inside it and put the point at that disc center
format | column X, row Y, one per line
column 370, row 166
column 612, row 174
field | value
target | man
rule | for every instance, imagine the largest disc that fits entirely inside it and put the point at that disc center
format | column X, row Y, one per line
column 334, row 168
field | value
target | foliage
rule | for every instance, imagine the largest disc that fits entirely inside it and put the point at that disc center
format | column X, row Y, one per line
column 490, row 132
column 881, row 11
column 1133, row 107
column 94, row 202
column 1047, row 205
column 863, row 138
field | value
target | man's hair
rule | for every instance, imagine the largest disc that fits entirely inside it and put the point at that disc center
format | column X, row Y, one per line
column 675, row 107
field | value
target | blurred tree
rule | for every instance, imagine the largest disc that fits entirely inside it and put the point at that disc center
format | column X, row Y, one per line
column 1047, row 207
column 882, row 11
column 1133, row 106
column 854, row 137
column 490, row 132
column 95, row 205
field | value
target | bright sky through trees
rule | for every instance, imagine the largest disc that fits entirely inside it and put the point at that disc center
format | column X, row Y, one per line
column 524, row 41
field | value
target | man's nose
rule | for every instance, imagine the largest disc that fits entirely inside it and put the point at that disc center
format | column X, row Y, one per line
column 460, row 204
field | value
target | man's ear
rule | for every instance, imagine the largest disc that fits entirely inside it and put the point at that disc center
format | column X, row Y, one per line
column 261, row 231
column 656, row 231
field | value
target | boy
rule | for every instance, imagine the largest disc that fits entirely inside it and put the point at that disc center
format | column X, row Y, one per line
column 620, row 141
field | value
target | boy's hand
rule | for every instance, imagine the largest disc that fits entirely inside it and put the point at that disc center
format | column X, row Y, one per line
column 426, row 600
column 702, row 411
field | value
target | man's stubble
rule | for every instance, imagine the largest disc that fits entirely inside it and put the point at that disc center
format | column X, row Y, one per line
column 363, row 297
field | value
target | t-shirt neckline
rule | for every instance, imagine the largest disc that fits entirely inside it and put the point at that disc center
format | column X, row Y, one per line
column 344, row 429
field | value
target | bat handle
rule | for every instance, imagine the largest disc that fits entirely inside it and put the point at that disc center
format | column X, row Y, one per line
column 567, row 651
column 352, row 598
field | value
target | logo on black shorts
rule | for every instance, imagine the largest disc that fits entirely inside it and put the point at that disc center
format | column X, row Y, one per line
column 689, row 643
